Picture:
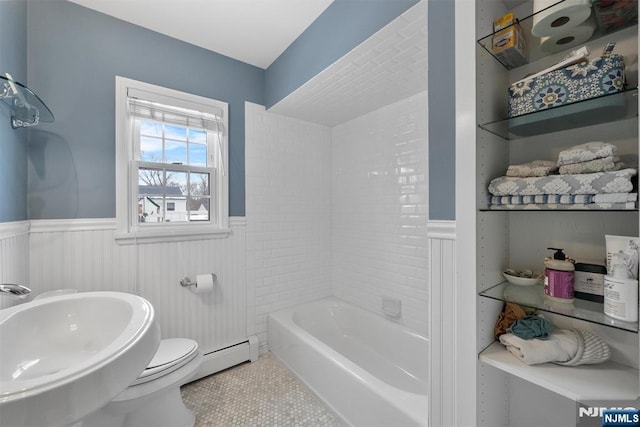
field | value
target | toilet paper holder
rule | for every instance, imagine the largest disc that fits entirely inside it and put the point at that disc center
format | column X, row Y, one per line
column 185, row 281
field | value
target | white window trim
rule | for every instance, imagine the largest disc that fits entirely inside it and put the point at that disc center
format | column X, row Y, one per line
column 127, row 230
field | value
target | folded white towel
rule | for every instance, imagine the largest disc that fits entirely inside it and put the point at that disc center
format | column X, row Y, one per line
column 561, row 346
column 604, row 164
column 533, row 168
column 586, row 152
column 615, row 198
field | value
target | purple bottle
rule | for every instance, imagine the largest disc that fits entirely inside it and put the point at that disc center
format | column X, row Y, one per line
column 558, row 277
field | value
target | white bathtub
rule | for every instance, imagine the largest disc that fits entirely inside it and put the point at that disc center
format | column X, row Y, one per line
column 369, row 370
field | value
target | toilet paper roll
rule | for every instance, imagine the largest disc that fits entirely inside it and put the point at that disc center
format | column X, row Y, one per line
column 559, row 18
column 204, row 283
column 569, row 38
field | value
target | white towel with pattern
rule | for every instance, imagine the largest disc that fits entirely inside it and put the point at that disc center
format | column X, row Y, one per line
column 586, row 152
column 587, row 183
column 533, row 168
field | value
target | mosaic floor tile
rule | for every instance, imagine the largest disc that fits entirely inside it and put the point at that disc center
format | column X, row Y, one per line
column 259, row 394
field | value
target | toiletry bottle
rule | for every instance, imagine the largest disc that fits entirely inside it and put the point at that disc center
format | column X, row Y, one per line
column 620, row 292
column 558, row 277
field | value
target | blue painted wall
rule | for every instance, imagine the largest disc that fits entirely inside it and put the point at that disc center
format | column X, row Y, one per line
column 73, row 55
column 13, row 142
column 341, row 27
column 442, row 114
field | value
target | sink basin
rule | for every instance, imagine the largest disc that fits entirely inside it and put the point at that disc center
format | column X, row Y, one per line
column 64, row 357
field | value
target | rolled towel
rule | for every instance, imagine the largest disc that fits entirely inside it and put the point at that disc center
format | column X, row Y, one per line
column 533, row 168
column 591, row 350
column 598, row 165
column 561, row 346
column 586, row 152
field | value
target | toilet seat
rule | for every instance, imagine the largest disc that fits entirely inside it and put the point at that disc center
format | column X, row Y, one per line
column 172, row 354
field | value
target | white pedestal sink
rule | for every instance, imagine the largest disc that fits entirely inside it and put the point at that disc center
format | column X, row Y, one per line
column 64, row 357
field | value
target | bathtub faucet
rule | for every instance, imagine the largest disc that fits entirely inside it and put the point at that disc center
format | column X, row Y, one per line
column 14, row 291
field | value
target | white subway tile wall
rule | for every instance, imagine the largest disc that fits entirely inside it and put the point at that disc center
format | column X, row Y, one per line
column 338, row 211
column 379, row 209
column 288, row 211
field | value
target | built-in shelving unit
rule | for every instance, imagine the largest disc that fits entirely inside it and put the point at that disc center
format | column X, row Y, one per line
column 533, row 297
column 513, row 237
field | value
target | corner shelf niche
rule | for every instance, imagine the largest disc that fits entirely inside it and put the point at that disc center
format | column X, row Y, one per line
column 533, row 297
column 27, row 109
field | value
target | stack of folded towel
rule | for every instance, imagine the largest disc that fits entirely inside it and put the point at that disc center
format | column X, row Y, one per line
column 589, row 158
column 534, row 340
column 569, row 347
column 590, row 177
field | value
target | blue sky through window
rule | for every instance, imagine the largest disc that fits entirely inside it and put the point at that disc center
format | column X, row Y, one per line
column 167, row 143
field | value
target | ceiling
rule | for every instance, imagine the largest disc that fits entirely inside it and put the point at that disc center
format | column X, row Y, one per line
column 251, row 31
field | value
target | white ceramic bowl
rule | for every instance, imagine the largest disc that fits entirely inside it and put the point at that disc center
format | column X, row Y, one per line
column 523, row 281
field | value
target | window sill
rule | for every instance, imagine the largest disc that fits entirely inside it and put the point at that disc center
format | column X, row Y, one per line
column 173, row 234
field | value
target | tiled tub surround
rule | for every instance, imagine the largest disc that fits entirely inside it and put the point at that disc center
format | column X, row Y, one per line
column 368, row 369
column 288, row 185
column 379, row 209
column 338, row 211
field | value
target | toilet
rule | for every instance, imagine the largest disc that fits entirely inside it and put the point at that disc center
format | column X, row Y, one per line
column 154, row 399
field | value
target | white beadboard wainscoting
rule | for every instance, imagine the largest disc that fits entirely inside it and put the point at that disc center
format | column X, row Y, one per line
column 443, row 317
column 83, row 254
column 14, row 256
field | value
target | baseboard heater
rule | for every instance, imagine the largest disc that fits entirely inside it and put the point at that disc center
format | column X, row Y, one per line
column 227, row 357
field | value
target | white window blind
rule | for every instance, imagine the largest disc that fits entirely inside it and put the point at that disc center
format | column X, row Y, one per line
column 149, row 110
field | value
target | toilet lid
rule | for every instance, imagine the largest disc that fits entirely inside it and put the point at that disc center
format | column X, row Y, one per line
column 172, row 353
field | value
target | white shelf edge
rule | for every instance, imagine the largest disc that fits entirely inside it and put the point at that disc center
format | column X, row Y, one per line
column 607, row 380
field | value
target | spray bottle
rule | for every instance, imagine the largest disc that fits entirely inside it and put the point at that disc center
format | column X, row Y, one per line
column 621, row 291
column 558, row 277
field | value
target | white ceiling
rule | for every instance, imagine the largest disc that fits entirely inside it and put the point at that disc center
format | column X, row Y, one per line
column 251, row 31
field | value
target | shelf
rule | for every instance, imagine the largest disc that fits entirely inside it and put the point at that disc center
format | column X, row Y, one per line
column 605, row 381
column 608, row 108
column 533, row 297
column 26, row 108
column 533, row 43
column 541, row 209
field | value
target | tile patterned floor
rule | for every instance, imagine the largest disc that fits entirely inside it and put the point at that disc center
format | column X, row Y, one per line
column 263, row 393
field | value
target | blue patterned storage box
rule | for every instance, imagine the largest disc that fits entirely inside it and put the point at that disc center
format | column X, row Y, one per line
column 585, row 80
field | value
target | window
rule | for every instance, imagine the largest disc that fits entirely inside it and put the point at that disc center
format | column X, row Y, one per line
column 171, row 155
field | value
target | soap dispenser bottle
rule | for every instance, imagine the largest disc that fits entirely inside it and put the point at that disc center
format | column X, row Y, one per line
column 558, row 277
column 620, row 291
